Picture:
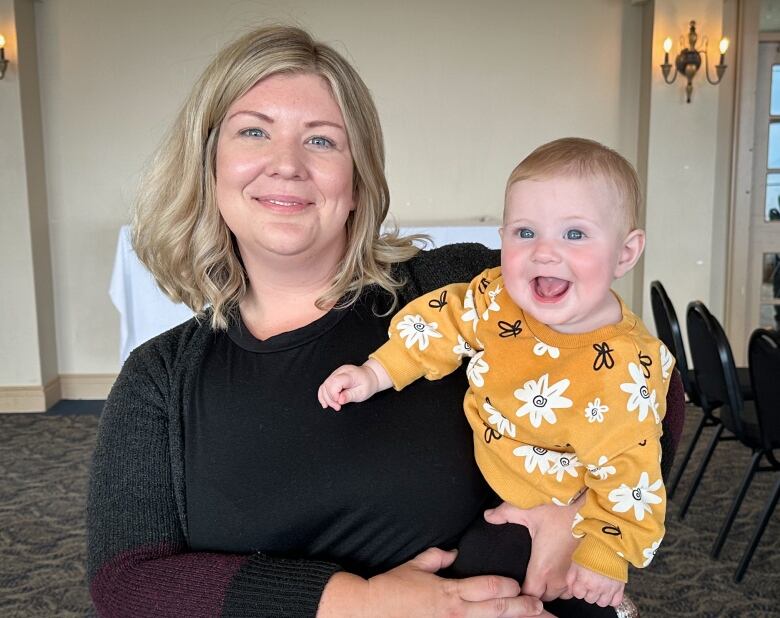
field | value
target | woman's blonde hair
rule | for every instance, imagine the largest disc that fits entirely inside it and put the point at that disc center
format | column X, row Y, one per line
column 178, row 232
column 584, row 157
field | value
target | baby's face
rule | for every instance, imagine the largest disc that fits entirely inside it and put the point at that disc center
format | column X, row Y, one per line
column 563, row 242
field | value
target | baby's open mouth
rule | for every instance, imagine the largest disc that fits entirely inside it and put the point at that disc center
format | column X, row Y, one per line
column 549, row 289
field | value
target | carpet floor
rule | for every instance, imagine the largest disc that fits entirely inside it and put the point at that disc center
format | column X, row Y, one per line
column 44, row 462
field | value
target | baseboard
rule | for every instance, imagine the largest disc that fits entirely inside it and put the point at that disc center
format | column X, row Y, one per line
column 86, row 385
column 67, row 386
column 22, row 399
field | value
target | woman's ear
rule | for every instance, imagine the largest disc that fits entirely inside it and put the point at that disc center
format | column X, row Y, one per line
column 633, row 245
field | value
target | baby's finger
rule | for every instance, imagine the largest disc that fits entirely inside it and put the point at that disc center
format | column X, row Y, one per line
column 327, row 397
column 591, row 596
column 616, row 599
column 604, row 599
column 344, row 396
column 578, row 589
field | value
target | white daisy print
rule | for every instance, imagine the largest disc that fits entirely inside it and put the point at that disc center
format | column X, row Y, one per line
column 502, row 424
column 640, row 397
column 638, row 498
column 493, row 306
column 476, row 368
column 667, row 360
column 471, row 312
column 463, row 348
column 413, row 329
column 649, row 552
column 536, row 457
column 541, row 400
column 566, row 463
column 601, row 471
column 594, row 412
column 578, row 519
column 541, row 348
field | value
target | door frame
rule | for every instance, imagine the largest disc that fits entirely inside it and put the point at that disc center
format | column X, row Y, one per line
column 738, row 326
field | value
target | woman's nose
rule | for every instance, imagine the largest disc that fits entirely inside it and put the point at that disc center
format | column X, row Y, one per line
column 286, row 161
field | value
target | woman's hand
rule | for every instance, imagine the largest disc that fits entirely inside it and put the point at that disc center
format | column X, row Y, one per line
column 553, row 544
column 413, row 589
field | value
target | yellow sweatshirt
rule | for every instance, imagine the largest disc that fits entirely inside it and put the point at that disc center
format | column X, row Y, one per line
column 553, row 415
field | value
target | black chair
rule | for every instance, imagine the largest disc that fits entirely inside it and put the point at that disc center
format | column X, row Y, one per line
column 716, row 375
column 668, row 328
column 718, row 382
column 764, row 365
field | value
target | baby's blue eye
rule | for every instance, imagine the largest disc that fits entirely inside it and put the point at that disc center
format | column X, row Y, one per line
column 253, row 133
column 574, row 235
column 524, row 232
column 321, row 142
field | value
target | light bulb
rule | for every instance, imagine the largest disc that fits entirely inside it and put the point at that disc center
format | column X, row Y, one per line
column 668, row 44
column 724, row 45
column 2, row 41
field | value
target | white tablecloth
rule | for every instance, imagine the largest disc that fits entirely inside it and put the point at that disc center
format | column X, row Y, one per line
column 146, row 312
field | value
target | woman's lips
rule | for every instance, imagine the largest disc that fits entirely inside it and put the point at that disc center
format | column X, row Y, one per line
column 288, row 204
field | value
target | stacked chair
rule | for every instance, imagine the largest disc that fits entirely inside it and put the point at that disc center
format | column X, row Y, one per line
column 668, row 328
column 739, row 403
column 764, row 364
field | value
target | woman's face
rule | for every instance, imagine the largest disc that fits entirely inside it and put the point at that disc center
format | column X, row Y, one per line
column 284, row 171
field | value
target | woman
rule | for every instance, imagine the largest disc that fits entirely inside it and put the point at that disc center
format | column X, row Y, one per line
column 218, row 485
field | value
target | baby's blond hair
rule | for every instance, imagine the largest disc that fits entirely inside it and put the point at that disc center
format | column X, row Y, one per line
column 579, row 157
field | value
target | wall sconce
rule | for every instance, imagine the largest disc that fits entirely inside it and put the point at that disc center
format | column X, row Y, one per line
column 3, row 61
column 688, row 61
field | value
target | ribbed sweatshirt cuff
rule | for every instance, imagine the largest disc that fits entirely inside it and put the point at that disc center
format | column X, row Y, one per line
column 267, row 586
column 399, row 365
column 599, row 558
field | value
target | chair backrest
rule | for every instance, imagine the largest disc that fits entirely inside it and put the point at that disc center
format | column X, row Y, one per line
column 668, row 328
column 764, row 364
column 713, row 365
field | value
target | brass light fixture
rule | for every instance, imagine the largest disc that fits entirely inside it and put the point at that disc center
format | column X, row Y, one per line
column 3, row 61
column 688, row 61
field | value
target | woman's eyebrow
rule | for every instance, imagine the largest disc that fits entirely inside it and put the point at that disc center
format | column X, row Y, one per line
column 323, row 123
column 259, row 115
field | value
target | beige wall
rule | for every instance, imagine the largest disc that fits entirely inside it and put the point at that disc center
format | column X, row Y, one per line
column 687, row 202
column 464, row 90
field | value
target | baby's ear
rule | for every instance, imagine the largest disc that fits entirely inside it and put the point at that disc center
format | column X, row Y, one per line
column 633, row 245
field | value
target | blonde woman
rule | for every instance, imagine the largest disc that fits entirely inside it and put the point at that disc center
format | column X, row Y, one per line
column 219, row 488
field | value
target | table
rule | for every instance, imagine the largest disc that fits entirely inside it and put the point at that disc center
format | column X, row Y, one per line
column 145, row 311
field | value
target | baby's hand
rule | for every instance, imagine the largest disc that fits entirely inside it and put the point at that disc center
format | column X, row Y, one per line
column 347, row 383
column 594, row 587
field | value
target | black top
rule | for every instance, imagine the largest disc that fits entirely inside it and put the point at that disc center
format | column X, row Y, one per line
column 366, row 487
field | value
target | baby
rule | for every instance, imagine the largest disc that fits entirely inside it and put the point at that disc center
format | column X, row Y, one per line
column 567, row 388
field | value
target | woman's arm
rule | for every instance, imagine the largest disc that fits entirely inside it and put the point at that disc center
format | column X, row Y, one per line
column 139, row 563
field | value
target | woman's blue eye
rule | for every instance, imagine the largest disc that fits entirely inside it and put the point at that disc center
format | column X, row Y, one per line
column 524, row 232
column 321, row 142
column 253, row 133
column 574, row 235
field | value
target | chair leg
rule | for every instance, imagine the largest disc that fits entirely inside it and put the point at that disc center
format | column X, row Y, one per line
column 700, row 472
column 762, row 522
column 729, row 521
column 672, row 486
